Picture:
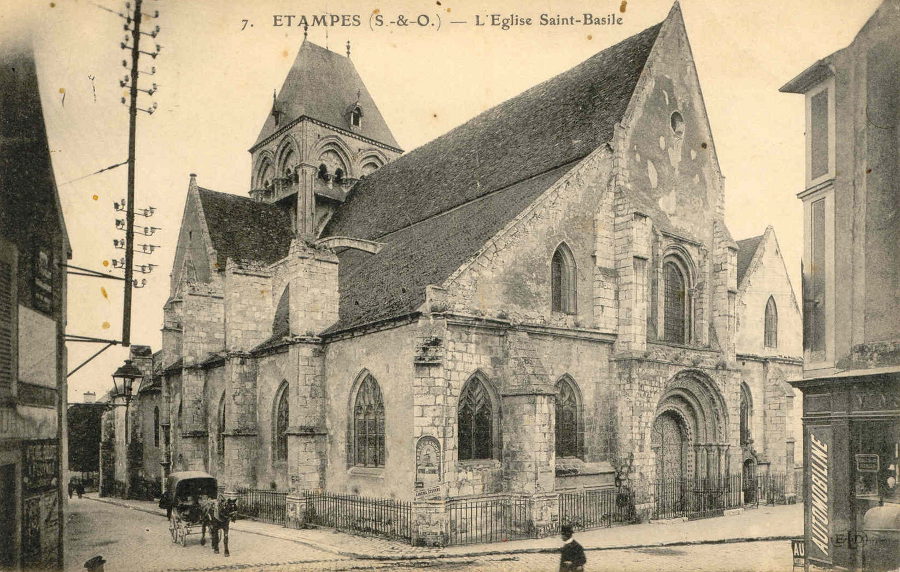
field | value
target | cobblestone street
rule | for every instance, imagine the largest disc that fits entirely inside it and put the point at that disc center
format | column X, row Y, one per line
column 136, row 540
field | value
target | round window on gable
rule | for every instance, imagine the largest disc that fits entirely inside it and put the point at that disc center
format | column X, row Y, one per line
column 677, row 124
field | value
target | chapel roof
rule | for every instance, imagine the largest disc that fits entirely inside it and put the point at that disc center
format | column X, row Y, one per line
column 324, row 86
column 243, row 229
column 746, row 249
column 436, row 206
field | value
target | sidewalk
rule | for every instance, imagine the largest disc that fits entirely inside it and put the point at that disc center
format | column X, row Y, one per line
column 762, row 524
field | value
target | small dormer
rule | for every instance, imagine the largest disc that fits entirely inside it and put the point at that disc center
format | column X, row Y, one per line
column 354, row 115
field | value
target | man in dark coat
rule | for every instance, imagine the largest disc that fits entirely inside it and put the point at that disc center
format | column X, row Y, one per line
column 572, row 554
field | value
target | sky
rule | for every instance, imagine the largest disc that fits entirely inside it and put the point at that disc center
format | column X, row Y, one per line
column 220, row 62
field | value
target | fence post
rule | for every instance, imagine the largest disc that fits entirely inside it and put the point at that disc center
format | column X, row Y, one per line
column 544, row 514
column 430, row 523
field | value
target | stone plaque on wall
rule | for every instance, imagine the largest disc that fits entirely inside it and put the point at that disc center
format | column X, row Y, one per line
column 428, row 461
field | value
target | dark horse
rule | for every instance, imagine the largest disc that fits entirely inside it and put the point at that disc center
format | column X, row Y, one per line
column 217, row 514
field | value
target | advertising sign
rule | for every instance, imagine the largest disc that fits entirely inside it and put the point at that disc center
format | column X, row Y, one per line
column 819, row 494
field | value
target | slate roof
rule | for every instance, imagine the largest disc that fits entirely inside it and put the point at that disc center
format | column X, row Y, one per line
column 392, row 282
column 746, row 250
column 323, row 85
column 551, row 124
column 436, row 206
column 244, row 229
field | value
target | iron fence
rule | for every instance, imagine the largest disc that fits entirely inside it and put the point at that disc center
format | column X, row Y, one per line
column 584, row 510
column 696, row 498
column 771, row 488
column 267, row 506
column 380, row 517
column 489, row 520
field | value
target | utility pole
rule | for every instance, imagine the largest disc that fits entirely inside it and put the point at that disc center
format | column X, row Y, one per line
column 133, row 108
column 129, row 214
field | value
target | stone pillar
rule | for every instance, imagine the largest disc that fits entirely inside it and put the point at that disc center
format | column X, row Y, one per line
column 430, row 523
column 193, row 450
column 529, row 454
column 306, row 200
column 307, row 436
column 241, row 438
column 545, row 514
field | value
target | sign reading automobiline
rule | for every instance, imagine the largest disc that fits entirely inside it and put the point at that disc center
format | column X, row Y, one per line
column 818, row 456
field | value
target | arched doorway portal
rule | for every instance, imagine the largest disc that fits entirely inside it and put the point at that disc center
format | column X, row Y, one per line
column 669, row 441
column 689, row 437
column 749, row 480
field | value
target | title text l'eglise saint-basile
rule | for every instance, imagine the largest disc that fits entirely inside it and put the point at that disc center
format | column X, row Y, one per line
column 506, row 22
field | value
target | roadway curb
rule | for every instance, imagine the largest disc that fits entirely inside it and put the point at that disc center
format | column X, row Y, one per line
column 434, row 555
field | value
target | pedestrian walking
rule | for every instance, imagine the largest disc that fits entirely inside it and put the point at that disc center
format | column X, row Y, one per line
column 571, row 554
column 79, row 488
column 71, row 489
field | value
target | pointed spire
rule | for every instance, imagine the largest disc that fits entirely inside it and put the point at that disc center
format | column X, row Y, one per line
column 348, row 49
column 305, row 30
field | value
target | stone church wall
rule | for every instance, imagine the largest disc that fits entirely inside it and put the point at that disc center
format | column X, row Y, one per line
column 248, row 308
column 768, row 277
column 273, row 369
column 388, row 355
column 510, row 278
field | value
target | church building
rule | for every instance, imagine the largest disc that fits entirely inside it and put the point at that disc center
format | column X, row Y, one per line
column 546, row 298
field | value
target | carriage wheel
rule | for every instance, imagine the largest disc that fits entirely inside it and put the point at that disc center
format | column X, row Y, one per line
column 183, row 531
column 173, row 528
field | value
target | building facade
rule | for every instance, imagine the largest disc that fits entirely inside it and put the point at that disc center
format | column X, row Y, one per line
column 544, row 299
column 34, row 248
column 768, row 344
column 851, row 289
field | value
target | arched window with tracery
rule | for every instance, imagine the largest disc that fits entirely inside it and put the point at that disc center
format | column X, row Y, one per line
column 675, row 320
column 368, row 425
column 562, row 276
column 568, row 419
column 771, row 324
column 282, row 419
column 156, row 426
column 476, row 421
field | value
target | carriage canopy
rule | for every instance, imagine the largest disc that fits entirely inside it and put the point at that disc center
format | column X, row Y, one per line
column 187, row 485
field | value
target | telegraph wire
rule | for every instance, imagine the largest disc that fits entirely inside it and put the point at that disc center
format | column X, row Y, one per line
column 96, row 172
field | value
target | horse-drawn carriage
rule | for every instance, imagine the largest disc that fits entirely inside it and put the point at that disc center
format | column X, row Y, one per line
column 192, row 500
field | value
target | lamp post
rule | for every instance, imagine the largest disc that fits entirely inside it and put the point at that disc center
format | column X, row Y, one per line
column 123, row 381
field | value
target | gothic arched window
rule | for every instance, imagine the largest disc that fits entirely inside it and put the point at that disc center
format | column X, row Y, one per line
column 156, row 426
column 675, row 304
column 282, row 419
column 562, row 280
column 568, row 419
column 476, row 421
column 356, row 117
column 368, row 425
column 220, row 430
column 771, row 324
column 746, row 414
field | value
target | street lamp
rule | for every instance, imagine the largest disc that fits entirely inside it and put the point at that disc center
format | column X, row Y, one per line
column 125, row 376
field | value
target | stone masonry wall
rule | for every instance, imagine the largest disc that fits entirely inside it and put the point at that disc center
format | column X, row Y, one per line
column 248, row 307
column 510, row 277
column 203, row 322
column 313, row 276
column 641, row 383
column 347, row 362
